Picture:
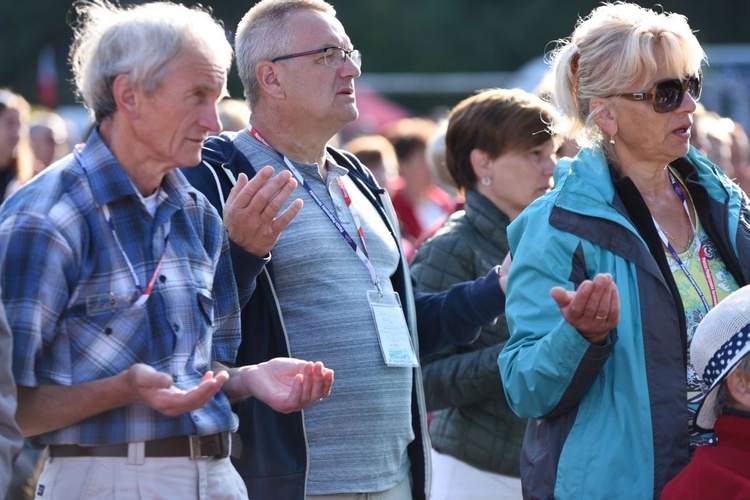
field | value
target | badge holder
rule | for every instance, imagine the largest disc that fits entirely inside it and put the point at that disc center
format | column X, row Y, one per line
column 395, row 341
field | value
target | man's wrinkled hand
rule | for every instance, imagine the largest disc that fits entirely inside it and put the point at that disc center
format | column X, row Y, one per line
column 156, row 390
column 288, row 384
column 251, row 212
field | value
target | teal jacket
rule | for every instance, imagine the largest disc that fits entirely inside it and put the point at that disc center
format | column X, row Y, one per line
column 607, row 421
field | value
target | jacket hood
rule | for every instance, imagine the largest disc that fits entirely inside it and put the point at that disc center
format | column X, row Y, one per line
column 218, row 150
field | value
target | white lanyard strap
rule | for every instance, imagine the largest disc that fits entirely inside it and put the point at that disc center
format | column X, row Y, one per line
column 144, row 293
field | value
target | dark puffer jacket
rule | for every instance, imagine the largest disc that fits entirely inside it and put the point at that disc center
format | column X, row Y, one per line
column 471, row 421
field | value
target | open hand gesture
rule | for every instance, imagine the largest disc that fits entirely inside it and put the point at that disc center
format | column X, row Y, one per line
column 288, row 384
column 156, row 390
column 251, row 212
column 593, row 309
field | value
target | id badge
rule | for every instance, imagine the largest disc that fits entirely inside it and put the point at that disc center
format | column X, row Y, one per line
column 395, row 341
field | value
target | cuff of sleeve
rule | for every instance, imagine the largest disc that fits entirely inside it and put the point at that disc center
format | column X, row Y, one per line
column 487, row 297
column 246, row 266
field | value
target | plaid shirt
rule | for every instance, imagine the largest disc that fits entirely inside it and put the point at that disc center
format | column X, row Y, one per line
column 70, row 293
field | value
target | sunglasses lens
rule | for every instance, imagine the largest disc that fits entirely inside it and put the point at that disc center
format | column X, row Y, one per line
column 668, row 96
column 694, row 87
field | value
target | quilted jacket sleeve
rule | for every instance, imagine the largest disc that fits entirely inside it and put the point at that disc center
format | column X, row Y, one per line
column 458, row 375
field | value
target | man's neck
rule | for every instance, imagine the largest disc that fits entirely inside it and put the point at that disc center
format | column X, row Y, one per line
column 146, row 177
column 293, row 140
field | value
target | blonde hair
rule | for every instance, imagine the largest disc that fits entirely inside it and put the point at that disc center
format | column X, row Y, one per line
column 617, row 46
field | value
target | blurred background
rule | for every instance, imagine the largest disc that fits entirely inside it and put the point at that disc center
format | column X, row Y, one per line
column 420, row 57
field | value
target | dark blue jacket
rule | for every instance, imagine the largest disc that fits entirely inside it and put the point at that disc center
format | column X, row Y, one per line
column 274, row 457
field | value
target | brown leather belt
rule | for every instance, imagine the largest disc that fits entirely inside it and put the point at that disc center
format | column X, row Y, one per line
column 221, row 445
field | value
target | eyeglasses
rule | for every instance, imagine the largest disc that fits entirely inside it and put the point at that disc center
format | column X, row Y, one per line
column 667, row 95
column 334, row 57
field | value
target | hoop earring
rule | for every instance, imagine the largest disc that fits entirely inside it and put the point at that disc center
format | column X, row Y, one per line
column 486, row 181
column 612, row 139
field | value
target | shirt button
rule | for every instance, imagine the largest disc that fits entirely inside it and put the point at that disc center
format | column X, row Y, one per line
column 176, row 327
column 108, row 331
column 162, row 278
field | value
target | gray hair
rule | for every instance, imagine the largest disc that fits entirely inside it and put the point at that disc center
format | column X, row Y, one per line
column 619, row 45
column 140, row 41
column 262, row 35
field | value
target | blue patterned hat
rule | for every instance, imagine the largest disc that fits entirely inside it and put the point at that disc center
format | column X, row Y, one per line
column 721, row 340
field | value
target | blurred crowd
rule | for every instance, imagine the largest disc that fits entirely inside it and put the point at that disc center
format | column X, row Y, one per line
column 406, row 156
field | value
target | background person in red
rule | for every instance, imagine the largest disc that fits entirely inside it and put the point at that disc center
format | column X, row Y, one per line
column 418, row 200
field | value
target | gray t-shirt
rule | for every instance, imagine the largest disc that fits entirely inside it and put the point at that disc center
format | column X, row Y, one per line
column 357, row 437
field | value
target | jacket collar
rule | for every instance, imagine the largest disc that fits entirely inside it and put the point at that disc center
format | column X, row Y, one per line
column 490, row 221
column 589, row 183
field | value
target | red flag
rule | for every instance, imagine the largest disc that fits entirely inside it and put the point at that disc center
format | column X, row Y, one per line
column 46, row 78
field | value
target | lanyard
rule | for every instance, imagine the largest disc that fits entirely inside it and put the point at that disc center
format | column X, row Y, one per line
column 360, row 251
column 145, row 293
column 701, row 250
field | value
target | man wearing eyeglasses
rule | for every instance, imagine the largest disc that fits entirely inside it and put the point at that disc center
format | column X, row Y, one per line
column 116, row 277
column 335, row 285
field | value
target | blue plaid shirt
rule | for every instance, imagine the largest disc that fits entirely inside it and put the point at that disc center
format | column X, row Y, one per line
column 70, row 294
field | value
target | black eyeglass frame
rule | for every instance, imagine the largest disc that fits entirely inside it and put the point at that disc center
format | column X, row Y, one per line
column 680, row 84
column 347, row 53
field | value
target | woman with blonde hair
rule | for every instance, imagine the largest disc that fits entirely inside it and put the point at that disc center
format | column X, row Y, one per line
column 614, row 268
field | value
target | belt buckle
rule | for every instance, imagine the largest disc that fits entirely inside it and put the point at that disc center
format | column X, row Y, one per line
column 217, row 446
column 195, row 447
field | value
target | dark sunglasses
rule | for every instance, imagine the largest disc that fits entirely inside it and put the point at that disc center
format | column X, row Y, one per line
column 667, row 95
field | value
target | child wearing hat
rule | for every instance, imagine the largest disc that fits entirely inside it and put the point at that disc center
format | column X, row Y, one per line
column 719, row 353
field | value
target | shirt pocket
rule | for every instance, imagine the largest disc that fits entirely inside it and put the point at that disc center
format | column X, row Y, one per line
column 107, row 333
column 206, row 305
column 204, row 340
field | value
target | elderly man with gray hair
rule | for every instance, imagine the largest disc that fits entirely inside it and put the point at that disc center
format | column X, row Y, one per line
column 117, row 280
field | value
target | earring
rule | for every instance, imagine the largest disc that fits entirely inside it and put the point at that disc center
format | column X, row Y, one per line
column 486, row 181
column 612, row 139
